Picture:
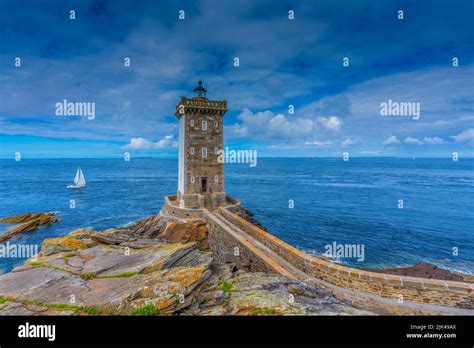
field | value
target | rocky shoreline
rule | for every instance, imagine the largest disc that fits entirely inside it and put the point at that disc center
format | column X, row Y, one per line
column 429, row 271
column 27, row 223
column 159, row 266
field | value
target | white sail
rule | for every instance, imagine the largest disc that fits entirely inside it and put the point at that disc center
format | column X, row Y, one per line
column 79, row 180
column 78, row 174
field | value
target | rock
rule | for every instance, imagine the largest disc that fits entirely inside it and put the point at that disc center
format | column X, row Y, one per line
column 82, row 233
column 195, row 258
column 14, row 308
column 56, row 245
column 75, row 262
column 173, row 231
column 192, row 231
column 175, row 289
column 248, row 215
column 150, row 227
column 160, row 266
column 63, row 261
column 260, row 302
column 267, row 294
column 44, row 289
column 43, row 285
column 106, row 261
column 142, row 243
column 427, row 270
column 22, row 268
column 261, row 294
column 27, row 223
column 217, row 310
column 112, row 236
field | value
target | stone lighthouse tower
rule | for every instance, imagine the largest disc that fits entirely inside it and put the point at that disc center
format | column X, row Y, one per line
column 201, row 138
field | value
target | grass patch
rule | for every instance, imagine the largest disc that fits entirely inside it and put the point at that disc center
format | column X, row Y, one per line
column 62, row 306
column 121, row 275
column 263, row 311
column 76, row 309
column 68, row 256
column 225, row 286
column 42, row 264
column 146, row 310
column 91, row 310
column 36, row 263
column 89, row 276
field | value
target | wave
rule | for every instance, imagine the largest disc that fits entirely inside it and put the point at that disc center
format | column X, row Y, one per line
column 128, row 224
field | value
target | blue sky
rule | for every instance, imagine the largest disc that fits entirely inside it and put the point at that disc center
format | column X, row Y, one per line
column 282, row 62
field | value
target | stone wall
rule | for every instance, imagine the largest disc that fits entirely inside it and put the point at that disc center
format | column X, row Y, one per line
column 171, row 208
column 223, row 243
column 427, row 291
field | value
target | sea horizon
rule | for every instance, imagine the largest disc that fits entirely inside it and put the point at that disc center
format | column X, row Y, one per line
column 121, row 157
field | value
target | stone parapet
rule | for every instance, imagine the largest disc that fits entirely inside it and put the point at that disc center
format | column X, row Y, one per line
column 401, row 288
column 171, row 207
column 200, row 103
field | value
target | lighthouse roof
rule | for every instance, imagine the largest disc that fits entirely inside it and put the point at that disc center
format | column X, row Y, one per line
column 200, row 91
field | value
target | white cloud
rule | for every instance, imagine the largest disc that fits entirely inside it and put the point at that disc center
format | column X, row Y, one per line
column 424, row 141
column 167, row 141
column 318, row 143
column 465, row 136
column 266, row 124
column 391, row 140
column 433, row 140
column 281, row 128
column 138, row 144
column 413, row 141
column 332, row 123
column 350, row 142
column 145, row 144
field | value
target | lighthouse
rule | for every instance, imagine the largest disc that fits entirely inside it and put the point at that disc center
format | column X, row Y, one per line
column 201, row 139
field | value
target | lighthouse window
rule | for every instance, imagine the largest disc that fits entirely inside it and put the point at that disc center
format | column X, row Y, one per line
column 215, row 150
column 204, row 125
column 192, row 180
column 204, row 152
column 216, row 124
column 192, row 123
column 216, row 178
column 192, row 151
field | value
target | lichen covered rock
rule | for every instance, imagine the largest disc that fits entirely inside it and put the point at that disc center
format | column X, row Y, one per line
column 192, row 231
column 56, row 245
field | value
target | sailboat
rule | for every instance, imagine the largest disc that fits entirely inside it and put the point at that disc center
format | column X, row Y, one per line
column 79, row 180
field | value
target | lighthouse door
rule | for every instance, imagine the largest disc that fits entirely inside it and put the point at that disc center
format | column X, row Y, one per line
column 203, row 184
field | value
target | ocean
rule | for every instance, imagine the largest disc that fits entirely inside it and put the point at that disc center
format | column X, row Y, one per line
column 309, row 203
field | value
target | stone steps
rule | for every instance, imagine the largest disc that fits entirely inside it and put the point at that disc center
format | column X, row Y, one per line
column 271, row 259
